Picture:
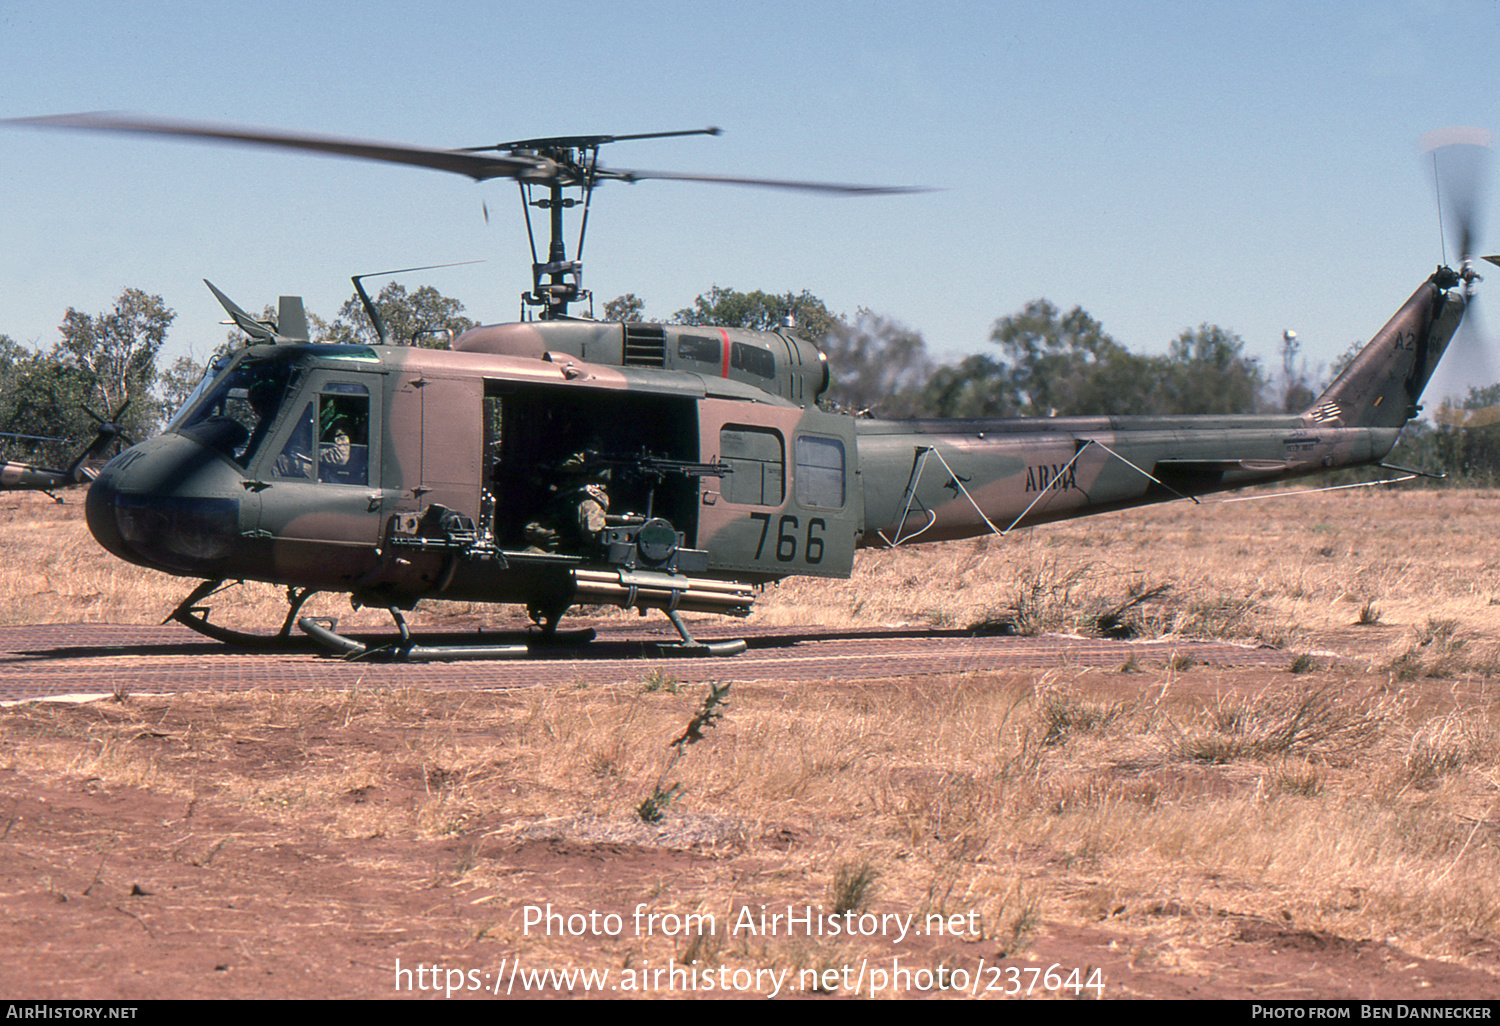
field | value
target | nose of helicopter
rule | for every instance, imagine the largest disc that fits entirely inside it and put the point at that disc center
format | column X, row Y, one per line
column 170, row 504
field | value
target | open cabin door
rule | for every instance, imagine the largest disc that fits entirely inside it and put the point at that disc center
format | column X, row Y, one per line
column 546, row 446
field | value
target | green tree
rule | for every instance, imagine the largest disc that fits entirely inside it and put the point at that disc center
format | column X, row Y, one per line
column 1066, row 364
column 114, row 355
column 762, row 311
column 43, row 397
column 877, row 364
column 976, row 386
column 1296, row 388
column 1465, row 442
column 628, row 307
column 1207, row 371
column 406, row 315
column 1061, row 364
column 116, row 351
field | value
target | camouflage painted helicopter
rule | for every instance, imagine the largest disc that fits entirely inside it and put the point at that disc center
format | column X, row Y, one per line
column 562, row 461
column 84, row 467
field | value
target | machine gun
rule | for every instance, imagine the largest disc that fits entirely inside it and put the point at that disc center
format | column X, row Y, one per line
column 648, row 464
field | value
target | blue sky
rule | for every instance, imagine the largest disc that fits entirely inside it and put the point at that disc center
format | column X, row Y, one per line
column 1253, row 165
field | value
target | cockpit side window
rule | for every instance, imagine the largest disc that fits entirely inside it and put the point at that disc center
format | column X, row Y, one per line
column 344, row 434
column 330, row 438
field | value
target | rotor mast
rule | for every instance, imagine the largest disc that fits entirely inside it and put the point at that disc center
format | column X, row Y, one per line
column 559, row 281
column 575, row 162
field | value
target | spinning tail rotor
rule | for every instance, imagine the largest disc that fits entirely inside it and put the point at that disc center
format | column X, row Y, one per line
column 1460, row 161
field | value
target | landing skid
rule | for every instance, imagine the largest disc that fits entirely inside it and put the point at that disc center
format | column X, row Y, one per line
column 325, row 630
column 191, row 613
column 688, row 646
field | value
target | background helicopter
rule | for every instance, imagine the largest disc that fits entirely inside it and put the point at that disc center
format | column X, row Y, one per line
column 562, row 460
column 16, row 476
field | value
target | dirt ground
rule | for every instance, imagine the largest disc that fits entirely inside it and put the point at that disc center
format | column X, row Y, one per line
column 388, row 840
column 133, row 866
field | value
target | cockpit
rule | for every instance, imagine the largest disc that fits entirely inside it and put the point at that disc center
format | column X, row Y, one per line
column 274, row 443
column 237, row 405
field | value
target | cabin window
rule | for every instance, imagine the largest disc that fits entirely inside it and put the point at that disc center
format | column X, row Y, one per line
column 700, row 349
column 752, row 359
column 757, row 462
column 820, row 472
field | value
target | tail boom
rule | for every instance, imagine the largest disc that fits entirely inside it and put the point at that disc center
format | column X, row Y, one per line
column 937, row 480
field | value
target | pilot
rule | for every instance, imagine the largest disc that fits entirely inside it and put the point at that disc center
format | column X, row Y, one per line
column 263, row 396
column 336, row 442
column 341, row 441
column 296, row 456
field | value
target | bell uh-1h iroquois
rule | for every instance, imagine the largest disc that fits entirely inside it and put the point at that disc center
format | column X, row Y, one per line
column 562, row 461
column 84, row 467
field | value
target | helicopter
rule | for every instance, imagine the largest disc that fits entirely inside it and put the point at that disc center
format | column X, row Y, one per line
column 83, row 468
column 560, row 461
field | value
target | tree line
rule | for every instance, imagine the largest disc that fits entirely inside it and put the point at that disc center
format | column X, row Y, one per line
column 1041, row 361
column 1045, row 362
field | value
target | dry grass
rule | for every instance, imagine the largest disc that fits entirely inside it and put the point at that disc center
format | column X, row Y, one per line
column 1360, row 797
column 1341, row 807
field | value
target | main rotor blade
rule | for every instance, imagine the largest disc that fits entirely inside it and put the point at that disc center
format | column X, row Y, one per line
column 476, row 166
column 769, row 183
column 587, row 141
column 34, row 438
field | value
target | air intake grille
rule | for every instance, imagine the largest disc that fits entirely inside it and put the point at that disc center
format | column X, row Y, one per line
column 645, row 345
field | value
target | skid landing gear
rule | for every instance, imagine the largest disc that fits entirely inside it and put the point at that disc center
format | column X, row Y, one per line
column 195, row 613
column 192, row 613
column 688, row 646
column 324, row 629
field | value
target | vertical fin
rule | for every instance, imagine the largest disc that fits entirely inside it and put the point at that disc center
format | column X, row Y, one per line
column 1382, row 384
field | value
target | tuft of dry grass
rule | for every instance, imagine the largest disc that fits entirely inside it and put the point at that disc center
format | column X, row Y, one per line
column 1445, row 745
column 1323, row 722
column 853, row 887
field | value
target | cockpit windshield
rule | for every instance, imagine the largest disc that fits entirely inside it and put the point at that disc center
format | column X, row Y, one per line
column 204, row 384
column 232, row 410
